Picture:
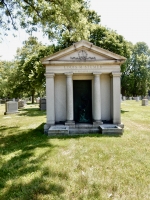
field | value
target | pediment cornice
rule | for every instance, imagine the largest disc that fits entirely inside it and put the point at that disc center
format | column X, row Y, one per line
column 83, row 52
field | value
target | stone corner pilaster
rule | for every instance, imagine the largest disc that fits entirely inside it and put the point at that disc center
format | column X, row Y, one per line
column 116, row 74
column 49, row 75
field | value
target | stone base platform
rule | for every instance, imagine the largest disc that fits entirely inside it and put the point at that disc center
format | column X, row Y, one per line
column 79, row 129
column 110, row 129
column 58, row 130
column 84, row 128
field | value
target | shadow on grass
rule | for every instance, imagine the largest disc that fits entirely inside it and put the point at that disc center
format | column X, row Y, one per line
column 32, row 112
column 124, row 111
column 22, row 172
column 4, row 128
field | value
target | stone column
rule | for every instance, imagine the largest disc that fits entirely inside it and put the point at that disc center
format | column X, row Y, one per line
column 69, row 87
column 50, row 100
column 116, row 117
column 96, row 99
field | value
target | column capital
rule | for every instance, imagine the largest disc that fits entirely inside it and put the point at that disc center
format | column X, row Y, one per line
column 49, row 75
column 97, row 73
column 69, row 74
column 115, row 74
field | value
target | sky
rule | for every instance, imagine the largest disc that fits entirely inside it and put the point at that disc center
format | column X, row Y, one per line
column 129, row 18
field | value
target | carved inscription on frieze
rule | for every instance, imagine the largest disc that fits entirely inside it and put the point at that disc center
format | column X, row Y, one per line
column 83, row 67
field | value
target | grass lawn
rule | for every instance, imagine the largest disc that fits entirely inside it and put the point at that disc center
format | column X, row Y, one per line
column 90, row 167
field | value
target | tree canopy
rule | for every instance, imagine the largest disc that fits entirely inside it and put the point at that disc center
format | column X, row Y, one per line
column 29, row 68
column 110, row 40
column 6, row 78
column 135, row 79
column 56, row 18
column 66, row 21
column 25, row 75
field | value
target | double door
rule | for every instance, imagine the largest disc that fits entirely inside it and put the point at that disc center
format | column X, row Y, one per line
column 82, row 96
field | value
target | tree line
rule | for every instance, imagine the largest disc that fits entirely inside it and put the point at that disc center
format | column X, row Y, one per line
column 64, row 22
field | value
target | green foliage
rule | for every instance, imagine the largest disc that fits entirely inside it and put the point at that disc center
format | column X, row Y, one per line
column 7, row 80
column 102, row 37
column 110, row 40
column 30, row 71
column 25, row 75
column 135, row 79
column 56, row 18
column 66, row 21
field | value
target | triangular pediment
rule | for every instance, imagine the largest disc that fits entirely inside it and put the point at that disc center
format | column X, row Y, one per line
column 83, row 51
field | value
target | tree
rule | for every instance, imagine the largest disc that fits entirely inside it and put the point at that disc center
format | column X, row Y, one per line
column 110, row 40
column 70, row 18
column 135, row 79
column 30, row 71
column 7, row 71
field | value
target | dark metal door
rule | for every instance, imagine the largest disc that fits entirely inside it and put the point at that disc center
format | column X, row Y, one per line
column 82, row 96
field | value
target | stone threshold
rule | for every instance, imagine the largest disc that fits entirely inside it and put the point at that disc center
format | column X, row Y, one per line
column 78, row 129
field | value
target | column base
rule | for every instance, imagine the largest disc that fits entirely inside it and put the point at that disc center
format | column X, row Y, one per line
column 98, row 122
column 70, row 123
column 116, row 122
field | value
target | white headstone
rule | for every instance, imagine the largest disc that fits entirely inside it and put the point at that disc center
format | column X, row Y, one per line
column 11, row 107
column 42, row 104
column 21, row 103
column 144, row 102
column 137, row 99
column 124, row 98
column 38, row 100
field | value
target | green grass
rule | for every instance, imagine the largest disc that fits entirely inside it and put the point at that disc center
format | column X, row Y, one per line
column 89, row 167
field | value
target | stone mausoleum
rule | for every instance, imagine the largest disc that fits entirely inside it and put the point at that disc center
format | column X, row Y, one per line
column 82, row 90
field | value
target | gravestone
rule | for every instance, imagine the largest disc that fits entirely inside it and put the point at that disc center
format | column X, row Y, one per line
column 144, row 102
column 123, row 98
column 137, row 98
column 38, row 100
column 11, row 107
column 21, row 103
column 42, row 104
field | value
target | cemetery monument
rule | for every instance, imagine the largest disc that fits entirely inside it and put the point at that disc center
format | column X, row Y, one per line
column 82, row 89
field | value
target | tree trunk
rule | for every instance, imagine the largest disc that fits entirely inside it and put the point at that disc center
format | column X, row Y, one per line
column 33, row 93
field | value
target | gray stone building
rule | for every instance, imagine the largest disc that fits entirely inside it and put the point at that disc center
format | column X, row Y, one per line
column 82, row 88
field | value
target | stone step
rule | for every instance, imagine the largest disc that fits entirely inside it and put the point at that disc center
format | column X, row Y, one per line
column 79, row 129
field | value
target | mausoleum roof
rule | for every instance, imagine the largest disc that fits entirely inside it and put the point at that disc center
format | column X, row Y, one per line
column 81, row 52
